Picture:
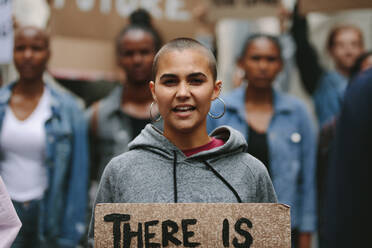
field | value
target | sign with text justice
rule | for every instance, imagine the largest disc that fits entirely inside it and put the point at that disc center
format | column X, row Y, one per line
column 192, row 225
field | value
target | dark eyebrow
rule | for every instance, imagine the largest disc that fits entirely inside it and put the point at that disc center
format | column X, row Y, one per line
column 194, row 74
column 197, row 74
column 169, row 75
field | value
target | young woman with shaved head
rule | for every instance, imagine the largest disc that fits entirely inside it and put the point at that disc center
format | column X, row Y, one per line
column 183, row 163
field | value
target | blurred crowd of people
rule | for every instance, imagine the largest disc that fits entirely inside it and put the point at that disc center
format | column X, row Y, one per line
column 54, row 150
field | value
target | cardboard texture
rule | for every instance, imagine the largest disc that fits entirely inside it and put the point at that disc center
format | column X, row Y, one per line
column 99, row 22
column 255, row 225
column 307, row 6
column 244, row 9
column 83, row 32
column 87, row 59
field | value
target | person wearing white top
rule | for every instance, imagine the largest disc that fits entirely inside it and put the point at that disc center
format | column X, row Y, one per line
column 23, row 142
column 43, row 150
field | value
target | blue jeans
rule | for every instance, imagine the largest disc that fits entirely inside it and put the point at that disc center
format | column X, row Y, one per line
column 28, row 213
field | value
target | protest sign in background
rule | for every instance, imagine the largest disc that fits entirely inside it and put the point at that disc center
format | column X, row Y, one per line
column 6, row 32
column 83, row 31
column 307, row 6
column 244, row 9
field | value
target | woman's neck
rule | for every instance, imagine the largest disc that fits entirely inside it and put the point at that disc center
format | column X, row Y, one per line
column 259, row 96
column 187, row 140
column 29, row 88
column 343, row 71
column 259, row 108
column 136, row 94
column 136, row 101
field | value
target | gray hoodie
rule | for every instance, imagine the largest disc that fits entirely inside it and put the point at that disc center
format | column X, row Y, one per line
column 155, row 170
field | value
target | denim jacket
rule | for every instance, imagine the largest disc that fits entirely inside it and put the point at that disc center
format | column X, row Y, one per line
column 113, row 132
column 328, row 96
column 64, row 205
column 291, row 143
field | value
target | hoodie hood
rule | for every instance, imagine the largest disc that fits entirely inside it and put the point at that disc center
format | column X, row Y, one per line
column 152, row 139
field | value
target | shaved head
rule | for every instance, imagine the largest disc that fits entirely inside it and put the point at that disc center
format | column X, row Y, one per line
column 181, row 44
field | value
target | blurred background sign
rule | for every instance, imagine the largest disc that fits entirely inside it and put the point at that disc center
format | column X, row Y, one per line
column 245, row 9
column 6, row 32
column 307, row 6
column 103, row 19
column 83, row 31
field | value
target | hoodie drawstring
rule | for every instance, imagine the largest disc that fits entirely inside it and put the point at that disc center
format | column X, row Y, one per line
column 224, row 181
column 175, row 177
column 209, row 167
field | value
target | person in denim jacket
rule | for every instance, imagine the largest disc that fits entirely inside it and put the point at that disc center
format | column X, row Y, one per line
column 118, row 118
column 279, row 132
column 43, row 150
column 327, row 87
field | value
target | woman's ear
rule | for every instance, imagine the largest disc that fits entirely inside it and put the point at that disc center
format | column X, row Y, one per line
column 152, row 88
column 216, row 89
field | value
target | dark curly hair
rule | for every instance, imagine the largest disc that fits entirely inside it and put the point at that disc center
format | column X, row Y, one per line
column 140, row 19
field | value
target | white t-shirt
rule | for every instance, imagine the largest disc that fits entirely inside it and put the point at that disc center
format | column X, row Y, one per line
column 23, row 146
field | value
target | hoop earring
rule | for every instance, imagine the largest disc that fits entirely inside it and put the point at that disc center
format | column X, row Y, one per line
column 224, row 110
column 152, row 119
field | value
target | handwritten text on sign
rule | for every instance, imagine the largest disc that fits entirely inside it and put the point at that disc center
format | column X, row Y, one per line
column 192, row 225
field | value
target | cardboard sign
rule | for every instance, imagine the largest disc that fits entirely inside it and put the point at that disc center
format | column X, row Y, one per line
column 192, row 225
column 307, row 6
column 83, row 31
column 83, row 59
column 6, row 32
column 245, row 9
column 103, row 19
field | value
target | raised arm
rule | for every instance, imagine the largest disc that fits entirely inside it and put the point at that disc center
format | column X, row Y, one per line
column 306, row 57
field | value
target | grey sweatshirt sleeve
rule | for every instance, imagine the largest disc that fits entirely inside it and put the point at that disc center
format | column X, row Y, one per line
column 261, row 180
column 265, row 192
column 265, row 188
